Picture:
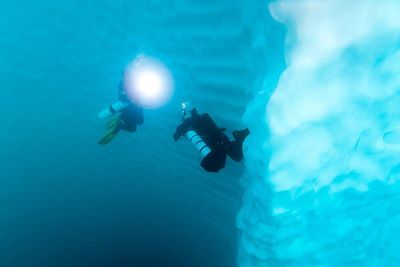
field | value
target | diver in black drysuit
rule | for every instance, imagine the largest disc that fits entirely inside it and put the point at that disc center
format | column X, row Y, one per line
column 126, row 120
column 215, row 139
column 131, row 116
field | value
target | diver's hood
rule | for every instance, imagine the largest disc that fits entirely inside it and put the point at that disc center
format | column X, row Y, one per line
column 187, row 109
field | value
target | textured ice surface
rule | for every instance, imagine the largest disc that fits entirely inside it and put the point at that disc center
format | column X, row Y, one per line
column 329, row 195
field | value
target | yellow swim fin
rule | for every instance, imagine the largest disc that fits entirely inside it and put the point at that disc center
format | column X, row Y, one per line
column 111, row 130
column 108, row 137
column 113, row 122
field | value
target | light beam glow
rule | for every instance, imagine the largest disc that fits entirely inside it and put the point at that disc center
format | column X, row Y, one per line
column 148, row 82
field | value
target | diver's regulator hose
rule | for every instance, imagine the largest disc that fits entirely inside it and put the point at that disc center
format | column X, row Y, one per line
column 198, row 142
column 112, row 109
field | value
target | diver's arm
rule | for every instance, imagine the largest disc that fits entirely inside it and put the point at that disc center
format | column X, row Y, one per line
column 181, row 129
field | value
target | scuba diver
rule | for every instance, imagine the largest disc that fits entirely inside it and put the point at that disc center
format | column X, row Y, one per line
column 210, row 140
column 123, row 115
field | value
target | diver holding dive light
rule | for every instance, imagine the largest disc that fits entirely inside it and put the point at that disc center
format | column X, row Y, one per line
column 145, row 83
column 210, row 140
column 123, row 115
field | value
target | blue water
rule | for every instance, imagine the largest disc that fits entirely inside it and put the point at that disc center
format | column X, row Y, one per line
column 316, row 82
column 143, row 200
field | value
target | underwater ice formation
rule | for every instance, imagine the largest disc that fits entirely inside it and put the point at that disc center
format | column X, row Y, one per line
column 323, row 190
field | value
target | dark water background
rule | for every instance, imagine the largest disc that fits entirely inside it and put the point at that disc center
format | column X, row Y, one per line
column 143, row 200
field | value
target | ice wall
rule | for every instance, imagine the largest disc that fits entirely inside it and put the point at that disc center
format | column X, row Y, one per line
column 322, row 188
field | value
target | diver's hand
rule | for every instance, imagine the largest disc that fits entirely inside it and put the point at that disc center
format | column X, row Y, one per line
column 176, row 137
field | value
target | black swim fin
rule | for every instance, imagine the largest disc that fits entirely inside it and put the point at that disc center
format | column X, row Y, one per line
column 241, row 135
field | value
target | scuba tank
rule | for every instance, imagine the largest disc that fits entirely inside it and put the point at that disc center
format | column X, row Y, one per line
column 194, row 138
column 112, row 109
column 118, row 106
column 198, row 142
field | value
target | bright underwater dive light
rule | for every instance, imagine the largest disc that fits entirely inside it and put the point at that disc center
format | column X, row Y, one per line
column 147, row 83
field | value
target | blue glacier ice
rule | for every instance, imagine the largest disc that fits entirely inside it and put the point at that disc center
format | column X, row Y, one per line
column 317, row 83
column 329, row 194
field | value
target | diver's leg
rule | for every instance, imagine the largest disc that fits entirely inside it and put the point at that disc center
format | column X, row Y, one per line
column 214, row 161
column 128, row 121
column 235, row 148
column 235, row 151
column 129, row 127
